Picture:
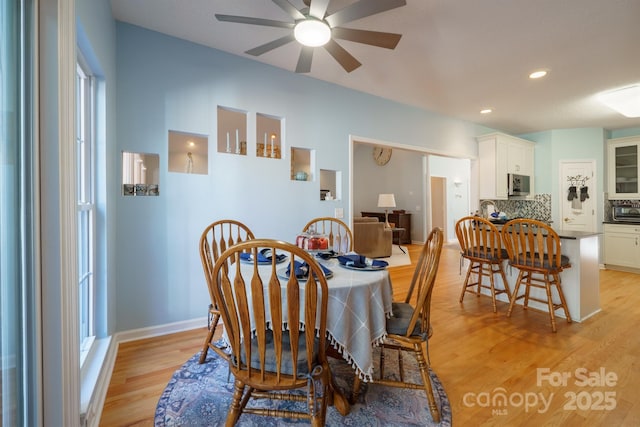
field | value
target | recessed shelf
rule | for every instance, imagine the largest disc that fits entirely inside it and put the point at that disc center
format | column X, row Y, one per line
column 268, row 136
column 302, row 164
column 232, row 131
column 330, row 185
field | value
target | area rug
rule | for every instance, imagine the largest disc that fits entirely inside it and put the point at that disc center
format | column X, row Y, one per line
column 199, row 395
column 397, row 257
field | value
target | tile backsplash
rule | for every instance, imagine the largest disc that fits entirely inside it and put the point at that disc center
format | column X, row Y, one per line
column 539, row 208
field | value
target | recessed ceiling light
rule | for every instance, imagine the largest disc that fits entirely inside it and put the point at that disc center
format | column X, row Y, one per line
column 486, row 111
column 625, row 101
column 538, row 74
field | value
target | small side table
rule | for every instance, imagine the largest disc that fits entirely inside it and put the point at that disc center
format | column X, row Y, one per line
column 400, row 233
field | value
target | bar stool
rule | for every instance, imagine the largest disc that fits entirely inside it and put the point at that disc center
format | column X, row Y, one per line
column 480, row 243
column 534, row 249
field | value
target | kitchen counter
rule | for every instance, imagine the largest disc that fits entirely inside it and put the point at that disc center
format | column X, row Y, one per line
column 580, row 282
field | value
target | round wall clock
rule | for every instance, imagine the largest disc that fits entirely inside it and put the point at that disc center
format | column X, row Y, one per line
column 381, row 155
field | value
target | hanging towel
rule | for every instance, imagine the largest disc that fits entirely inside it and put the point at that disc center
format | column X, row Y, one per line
column 576, row 204
column 573, row 194
column 584, row 195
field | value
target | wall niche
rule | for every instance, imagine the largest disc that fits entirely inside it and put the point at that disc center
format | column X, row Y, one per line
column 269, row 142
column 232, row 131
column 140, row 174
column 188, row 153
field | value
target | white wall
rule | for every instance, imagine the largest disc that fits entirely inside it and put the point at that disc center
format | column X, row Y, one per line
column 458, row 203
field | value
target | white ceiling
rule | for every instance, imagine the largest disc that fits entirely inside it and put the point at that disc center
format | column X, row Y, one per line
column 455, row 56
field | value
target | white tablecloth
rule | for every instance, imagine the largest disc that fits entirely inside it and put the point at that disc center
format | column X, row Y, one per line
column 358, row 306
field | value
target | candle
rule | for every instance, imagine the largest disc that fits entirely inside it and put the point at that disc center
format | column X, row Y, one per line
column 264, row 147
column 272, row 138
column 228, row 147
column 237, row 142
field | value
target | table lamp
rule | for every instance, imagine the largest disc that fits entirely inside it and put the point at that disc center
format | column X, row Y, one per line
column 386, row 201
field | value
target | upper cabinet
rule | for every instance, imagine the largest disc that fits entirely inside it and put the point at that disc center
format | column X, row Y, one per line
column 500, row 154
column 623, row 169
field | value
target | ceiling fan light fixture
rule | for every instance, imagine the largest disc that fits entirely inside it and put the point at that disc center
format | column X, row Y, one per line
column 312, row 32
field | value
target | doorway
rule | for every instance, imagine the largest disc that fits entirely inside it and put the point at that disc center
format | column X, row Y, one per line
column 438, row 187
column 578, row 195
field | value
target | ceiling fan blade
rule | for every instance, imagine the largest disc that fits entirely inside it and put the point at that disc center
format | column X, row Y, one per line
column 290, row 9
column 318, row 8
column 304, row 60
column 344, row 58
column 254, row 21
column 373, row 38
column 361, row 9
column 257, row 51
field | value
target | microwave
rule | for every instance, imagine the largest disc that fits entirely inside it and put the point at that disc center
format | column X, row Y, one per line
column 626, row 212
column 518, row 185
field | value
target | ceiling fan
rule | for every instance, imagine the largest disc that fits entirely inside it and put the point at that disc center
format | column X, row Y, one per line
column 312, row 27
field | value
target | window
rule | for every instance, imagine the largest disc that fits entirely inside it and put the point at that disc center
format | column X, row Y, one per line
column 20, row 375
column 86, row 206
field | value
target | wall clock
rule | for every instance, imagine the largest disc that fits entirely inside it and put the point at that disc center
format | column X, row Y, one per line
column 381, row 155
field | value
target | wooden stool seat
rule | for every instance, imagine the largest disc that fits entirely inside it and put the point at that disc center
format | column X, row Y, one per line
column 481, row 244
column 534, row 249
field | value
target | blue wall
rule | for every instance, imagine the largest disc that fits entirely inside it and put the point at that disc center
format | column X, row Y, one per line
column 165, row 83
column 568, row 144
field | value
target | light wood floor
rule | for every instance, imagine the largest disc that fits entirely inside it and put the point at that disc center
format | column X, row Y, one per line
column 478, row 355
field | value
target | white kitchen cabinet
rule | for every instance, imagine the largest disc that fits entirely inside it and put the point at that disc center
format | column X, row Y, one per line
column 622, row 245
column 498, row 155
column 623, row 168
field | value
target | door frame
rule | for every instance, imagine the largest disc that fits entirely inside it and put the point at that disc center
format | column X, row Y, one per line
column 593, row 195
column 433, row 179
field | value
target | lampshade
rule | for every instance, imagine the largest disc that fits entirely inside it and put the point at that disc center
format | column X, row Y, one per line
column 386, row 201
column 312, row 32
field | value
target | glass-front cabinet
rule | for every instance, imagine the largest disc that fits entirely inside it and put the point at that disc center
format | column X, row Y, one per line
column 624, row 168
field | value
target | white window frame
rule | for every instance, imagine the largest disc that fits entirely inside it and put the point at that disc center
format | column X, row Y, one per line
column 86, row 206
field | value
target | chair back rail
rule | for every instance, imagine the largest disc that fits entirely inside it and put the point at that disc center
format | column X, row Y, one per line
column 336, row 230
column 423, row 280
column 215, row 239
column 533, row 244
column 267, row 320
column 478, row 238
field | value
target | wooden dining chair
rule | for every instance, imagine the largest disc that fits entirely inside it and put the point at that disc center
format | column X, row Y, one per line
column 276, row 331
column 534, row 249
column 339, row 233
column 410, row 327
column 481, row 244
column 215, row 239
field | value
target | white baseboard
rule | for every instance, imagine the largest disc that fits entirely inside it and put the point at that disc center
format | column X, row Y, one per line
column 155, row 331
column 92, row 413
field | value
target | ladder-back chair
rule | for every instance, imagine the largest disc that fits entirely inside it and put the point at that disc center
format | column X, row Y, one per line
column 534, row 249
column 276, row 330
column 215, row 239
column 410, row 325
column 481, row 244
column 339, row 233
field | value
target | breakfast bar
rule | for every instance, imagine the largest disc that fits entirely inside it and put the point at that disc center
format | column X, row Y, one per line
column 580, row 282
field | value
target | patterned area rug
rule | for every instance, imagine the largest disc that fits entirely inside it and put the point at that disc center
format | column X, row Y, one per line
column 200, row 395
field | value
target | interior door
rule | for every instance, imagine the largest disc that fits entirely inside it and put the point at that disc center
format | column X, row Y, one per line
column 439, row 203
column 578, row 195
